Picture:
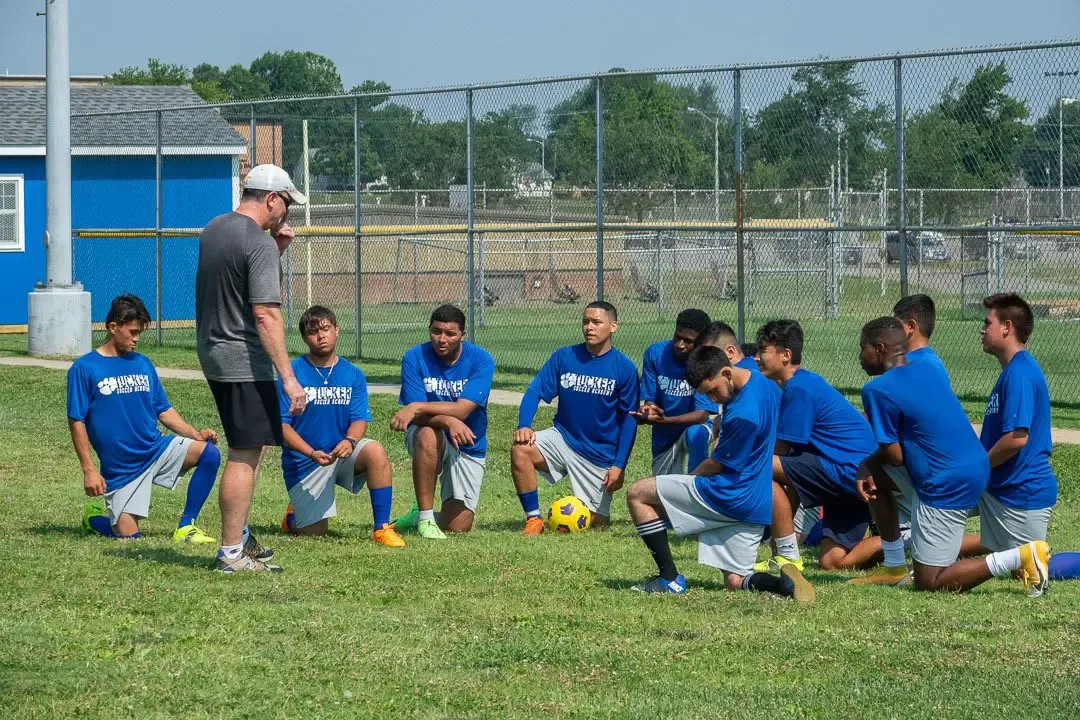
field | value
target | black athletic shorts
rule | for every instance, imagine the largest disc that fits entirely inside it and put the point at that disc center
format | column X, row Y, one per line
column 845, row 517
column 249, row 411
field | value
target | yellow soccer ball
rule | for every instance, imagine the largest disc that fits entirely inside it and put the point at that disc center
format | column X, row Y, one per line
column 569, row 515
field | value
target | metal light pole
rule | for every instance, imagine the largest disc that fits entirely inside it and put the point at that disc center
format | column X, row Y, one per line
column 58, row 310
column 716, row 159
column 1061, row 75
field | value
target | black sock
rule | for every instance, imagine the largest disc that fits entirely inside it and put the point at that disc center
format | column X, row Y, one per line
column 764, row 582
column 656, row 539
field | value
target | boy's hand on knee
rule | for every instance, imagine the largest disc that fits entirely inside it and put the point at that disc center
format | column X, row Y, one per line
column 613, row 479
column 93, row 483
column 524, row 436
column 207, row 435
column 402, row 418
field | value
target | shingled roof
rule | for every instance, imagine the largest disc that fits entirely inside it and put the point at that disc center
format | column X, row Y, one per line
column 22, row 121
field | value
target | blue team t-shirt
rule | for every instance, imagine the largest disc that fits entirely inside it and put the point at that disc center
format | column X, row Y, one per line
column 927, row 355
column 914, row 405
column 815, row 417
column 595, row 392
column 1021, row 400
column 663, row 382
column 743, row 489
column 119, row 400
column 426, row 378
column 336, row 398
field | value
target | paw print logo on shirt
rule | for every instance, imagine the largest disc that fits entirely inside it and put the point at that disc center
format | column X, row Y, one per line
column 107, row 386
column 311, row 393
column 567, row 380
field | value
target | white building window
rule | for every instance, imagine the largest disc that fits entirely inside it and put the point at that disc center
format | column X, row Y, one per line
column 12, row 235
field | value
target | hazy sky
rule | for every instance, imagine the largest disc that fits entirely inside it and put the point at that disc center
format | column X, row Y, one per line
column 418, row 44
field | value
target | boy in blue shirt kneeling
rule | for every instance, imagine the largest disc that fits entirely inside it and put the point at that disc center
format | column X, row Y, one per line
column 325, row 445
column 114, row 404
column 727, row 501
column 595, row 428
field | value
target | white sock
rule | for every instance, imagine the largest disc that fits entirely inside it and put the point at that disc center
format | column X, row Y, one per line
column 788, row 546
column 232, row 552
column 427, row 515
column 894, row 552
column 1003, row 563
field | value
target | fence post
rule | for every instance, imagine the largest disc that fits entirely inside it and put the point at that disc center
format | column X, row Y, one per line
column 599, row 189
column 157, row 232
column 901, row 185
column 740, row 261
column 251, row 145
column 358, row 245
column 469, row 252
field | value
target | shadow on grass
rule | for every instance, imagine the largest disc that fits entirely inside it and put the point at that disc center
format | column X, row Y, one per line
column 164, row 556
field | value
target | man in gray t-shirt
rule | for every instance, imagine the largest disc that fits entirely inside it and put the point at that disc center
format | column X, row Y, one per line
column 240, row 336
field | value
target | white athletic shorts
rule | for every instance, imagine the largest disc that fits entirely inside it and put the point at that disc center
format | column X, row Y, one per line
column 313, row 497
column 134, row 498
column 586, row 479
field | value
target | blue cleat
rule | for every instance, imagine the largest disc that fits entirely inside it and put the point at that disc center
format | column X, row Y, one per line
column 660, row 585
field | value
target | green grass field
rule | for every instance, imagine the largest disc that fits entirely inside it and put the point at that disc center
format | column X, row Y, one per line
column 485, row 625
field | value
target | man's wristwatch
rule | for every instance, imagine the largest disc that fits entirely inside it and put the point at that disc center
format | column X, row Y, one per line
column 352, row 441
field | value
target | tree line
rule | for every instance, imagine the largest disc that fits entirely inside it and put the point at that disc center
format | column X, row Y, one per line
column 975, row 135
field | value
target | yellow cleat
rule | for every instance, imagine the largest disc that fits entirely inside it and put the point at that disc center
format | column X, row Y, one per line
column 884, row 576
column 192, row 535
column 388, row 536
column 776, row 563
column 1034, row 567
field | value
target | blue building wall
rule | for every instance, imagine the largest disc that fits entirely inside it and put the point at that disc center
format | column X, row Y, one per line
column 119, row 193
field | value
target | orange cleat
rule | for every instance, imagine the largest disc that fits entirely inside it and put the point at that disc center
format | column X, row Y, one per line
column 534, row 526
column 388, row 536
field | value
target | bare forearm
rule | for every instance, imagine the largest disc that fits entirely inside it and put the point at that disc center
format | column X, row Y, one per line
column 460, row 409
column 1005, row 449
column 357, row 430
column 708, row 467
column 174, row 422
column 272, row 336
column 439, row 422
column 81, row 441
column 696, row 417
column 293, row 441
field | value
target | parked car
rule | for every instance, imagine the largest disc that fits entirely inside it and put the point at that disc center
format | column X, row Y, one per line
column 932, row 243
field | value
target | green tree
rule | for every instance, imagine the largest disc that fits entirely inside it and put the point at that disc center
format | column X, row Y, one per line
column 156, row 72
column 1039, row 156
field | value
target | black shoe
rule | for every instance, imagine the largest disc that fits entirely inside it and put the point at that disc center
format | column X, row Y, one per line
column 255, row 551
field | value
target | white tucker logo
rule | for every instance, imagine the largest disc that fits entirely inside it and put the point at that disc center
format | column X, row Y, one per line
column 587, row 384
column 324, row 395
column 123, row 384
column 675, row 387
column 442, row 386
column 993, row 405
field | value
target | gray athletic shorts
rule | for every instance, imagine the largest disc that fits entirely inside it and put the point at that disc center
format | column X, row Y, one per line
column 936, row 534
column 313, row 497
column 674, row 460
column 1003, row 527
column 723, row 543
column 586, row 479
column 461, row 474
column 134, row 498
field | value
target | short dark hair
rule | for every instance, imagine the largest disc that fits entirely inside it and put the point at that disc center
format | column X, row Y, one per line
column 692, row 319
column 1015, row 309
column 715, row 331
column 783, row 335
column 704, row 363
column 253, row 195
column 448, row 314
column 313, row 317
column 919, row 308
column 749, row 349
column 887, row 331
column 607, row 307
column 127, row 309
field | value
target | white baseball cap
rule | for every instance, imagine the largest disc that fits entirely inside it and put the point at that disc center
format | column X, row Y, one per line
column 274, row 179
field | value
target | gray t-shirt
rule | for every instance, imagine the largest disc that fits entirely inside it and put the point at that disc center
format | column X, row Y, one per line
column 239, row 265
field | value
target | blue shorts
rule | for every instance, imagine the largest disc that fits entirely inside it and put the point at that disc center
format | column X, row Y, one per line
column 845, row 517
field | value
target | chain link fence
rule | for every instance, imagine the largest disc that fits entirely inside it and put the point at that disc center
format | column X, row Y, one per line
column 822, row 191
